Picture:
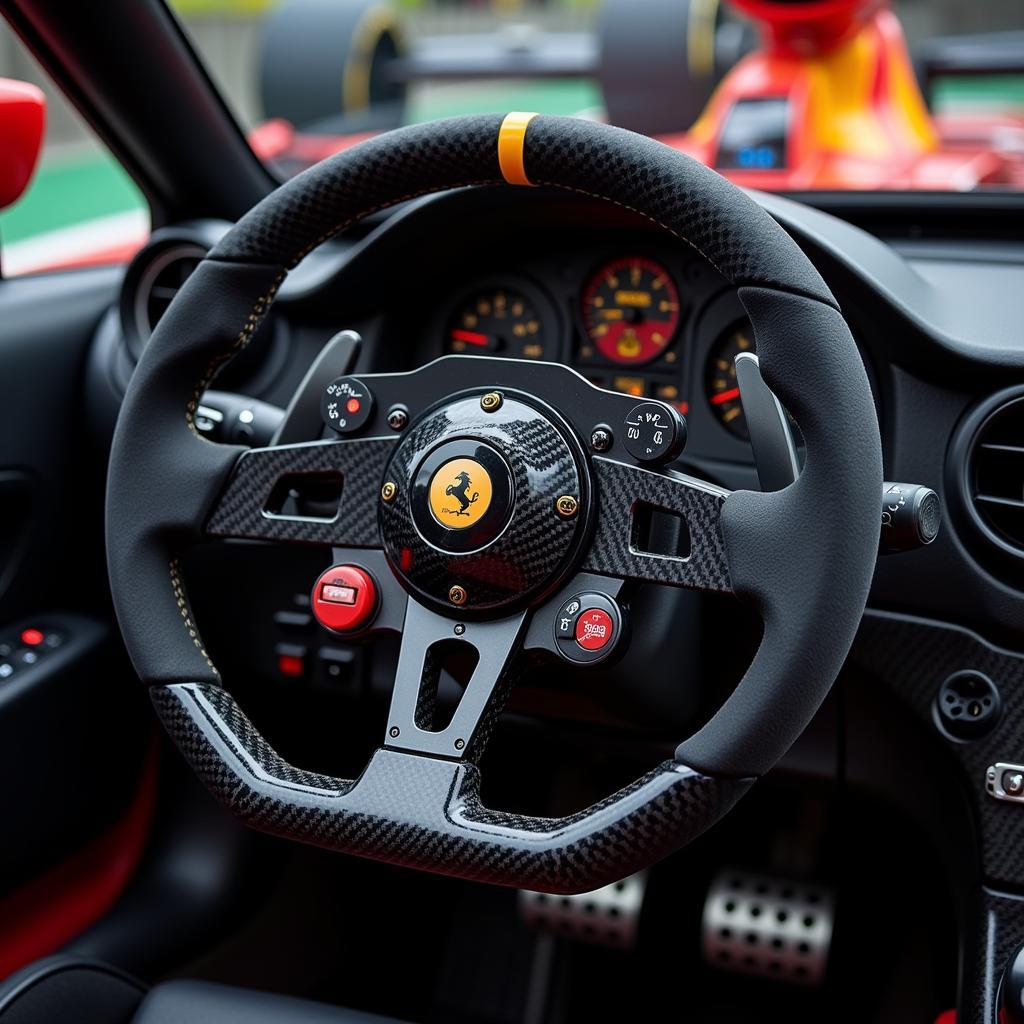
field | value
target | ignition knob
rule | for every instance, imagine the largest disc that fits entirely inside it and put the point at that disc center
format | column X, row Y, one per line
column 654, row 433
column 346, row 405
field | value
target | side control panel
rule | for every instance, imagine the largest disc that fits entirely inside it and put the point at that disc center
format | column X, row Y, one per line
column 588, row 628
column 26, row 648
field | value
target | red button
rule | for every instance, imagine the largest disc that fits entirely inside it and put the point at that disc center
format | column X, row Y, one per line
column 31, row 637
column 594, row 629
column 290, row 665
column 344, row 598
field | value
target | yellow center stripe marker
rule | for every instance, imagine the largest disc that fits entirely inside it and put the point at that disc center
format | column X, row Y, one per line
column 511, row 140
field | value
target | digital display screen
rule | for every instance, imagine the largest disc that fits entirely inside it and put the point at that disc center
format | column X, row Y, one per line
column 754, row 136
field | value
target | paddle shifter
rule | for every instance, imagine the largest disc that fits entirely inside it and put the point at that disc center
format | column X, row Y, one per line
column 910, row 514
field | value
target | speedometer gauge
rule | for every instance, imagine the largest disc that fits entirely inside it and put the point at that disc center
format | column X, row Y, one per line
column 500, row 320
column 720, row 378
column 631, row 310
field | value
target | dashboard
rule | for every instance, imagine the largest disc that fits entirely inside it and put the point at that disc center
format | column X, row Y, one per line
column 639, row 318
column 534, row 275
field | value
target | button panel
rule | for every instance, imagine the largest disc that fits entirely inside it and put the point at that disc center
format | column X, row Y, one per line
column 588, row 628
column 22, row 650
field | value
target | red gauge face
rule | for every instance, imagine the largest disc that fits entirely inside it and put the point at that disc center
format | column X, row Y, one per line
column 631, row 310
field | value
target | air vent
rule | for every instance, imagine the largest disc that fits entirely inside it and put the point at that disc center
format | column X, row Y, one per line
column 157, row 285
column 995, row 475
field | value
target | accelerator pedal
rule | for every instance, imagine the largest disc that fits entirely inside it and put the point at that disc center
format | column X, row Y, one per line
column 609, row 916
column 771, row 927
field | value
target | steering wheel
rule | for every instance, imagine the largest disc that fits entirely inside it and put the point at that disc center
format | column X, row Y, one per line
column 556, row 534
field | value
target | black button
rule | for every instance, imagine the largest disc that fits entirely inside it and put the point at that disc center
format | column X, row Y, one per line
column 338, row 663
column 654, row 432
column 293, row 622
column 565, row 623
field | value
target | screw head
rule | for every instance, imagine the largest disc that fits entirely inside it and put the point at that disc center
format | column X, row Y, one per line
column 457, row 595
column 389, row 491
column 459, row 744
column 491, row 402
column 398, row 417
column 394, row 731
column 566, row 506
column 459, row 629
column 601, row 439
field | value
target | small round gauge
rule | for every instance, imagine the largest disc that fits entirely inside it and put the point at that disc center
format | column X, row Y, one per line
column 631, row 310
column 499, row 320
column 720, row 378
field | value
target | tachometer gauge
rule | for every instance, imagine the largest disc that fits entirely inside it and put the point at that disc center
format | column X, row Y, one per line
column 631, row 310
column 720, row 378
column 497, row 320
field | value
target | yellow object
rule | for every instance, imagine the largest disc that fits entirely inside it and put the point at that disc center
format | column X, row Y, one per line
column 355, row 85
column 460, row 493
column 511, row 141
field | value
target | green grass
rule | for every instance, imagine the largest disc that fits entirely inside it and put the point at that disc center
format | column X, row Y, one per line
column 70, row 191
column 994, row 93
column 568, row 96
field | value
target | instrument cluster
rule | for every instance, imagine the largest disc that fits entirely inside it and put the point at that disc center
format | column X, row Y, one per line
column 627, row 322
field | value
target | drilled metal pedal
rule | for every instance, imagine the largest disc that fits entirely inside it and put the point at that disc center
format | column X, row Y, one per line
column 772, row 927
column 606, row 917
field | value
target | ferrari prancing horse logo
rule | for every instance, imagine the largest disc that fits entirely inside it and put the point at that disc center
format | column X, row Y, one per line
column 460, row 493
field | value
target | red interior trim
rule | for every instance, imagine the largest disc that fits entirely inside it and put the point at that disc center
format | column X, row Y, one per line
column 46, row 913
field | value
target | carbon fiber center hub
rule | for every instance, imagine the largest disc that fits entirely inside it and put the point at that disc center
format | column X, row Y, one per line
column 476, row 507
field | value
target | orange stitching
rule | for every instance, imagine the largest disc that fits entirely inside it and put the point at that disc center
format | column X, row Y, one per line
column 190, row 627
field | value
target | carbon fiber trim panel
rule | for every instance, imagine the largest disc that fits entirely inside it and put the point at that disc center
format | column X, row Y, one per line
column 426, row 813
column 914, row 657
column 619, row 488
column 240, row 510
column 536, row 546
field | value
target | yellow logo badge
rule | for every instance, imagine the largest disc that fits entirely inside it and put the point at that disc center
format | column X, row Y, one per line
column 460, row 493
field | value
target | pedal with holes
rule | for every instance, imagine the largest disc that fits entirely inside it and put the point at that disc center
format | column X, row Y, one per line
column 770, row 927
column 608, row 916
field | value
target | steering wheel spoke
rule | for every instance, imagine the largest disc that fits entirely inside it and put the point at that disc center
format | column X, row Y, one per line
column 430, row 643
column 321, row 492
column 686, row 549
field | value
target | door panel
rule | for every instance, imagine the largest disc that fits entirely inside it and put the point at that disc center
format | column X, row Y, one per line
column 73, row 719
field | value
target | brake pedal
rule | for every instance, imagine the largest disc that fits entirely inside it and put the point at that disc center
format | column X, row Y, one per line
column 608, row 916
column 771, row 927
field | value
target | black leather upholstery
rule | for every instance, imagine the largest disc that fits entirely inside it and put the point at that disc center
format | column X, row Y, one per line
column 73, row 990
column 64, row 988
column 200, row 1002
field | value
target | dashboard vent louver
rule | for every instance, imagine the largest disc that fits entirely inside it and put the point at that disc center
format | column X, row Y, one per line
column 165, row 276
column 995, row 475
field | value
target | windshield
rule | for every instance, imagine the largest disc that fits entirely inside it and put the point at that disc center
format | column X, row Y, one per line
column 776, row 94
